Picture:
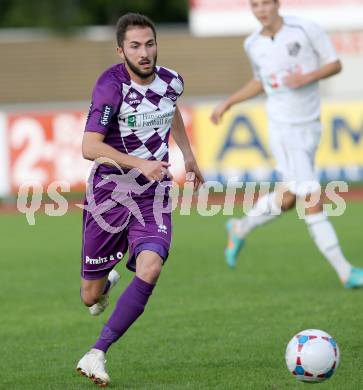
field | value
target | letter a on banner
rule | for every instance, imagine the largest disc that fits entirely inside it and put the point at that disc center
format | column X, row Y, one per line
column 242, row 123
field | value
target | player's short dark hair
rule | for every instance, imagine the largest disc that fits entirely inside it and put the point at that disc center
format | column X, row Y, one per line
column 132, row 19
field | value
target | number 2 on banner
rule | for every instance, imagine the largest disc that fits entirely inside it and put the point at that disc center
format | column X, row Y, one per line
column 27, row 138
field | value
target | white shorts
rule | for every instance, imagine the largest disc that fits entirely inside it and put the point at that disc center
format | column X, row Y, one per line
column 294, row 148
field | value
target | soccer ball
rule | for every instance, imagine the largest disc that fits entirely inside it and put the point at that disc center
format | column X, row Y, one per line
column 312, row 356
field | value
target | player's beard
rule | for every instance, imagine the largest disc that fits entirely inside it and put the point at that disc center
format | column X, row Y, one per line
column 138, row 72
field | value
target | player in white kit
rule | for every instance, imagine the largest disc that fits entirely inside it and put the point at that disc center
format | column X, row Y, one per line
column 289, row 55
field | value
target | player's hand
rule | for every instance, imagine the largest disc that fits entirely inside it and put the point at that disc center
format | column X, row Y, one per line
column 155, row 170
column 297, row 80
column 193, row 173
column 218, row 112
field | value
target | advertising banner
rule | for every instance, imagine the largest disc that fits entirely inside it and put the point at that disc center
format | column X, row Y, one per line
column 45, row 147
column 4, row 168
column 341, row 150
column 239, row 146
column 234, row 17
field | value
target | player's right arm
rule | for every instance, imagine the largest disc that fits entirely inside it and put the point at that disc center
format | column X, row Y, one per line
column 94, row 148
column 251, row 89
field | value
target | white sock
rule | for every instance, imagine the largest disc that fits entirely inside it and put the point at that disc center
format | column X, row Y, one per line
column 325, row 238
column 264, row 210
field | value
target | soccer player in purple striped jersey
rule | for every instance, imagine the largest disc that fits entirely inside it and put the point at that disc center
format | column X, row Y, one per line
column 133, row 112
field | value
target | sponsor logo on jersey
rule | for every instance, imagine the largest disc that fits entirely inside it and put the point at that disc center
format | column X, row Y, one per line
column 133, row 98
column 133, row 95
column 106, row 115
column 154, row 119
column 102, row 260
column 98, row 260
column 131, row 120
column 293, row 48
column 163, row 229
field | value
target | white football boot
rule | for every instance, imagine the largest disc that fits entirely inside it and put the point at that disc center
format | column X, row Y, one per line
column 92, row 365
column 101, row 305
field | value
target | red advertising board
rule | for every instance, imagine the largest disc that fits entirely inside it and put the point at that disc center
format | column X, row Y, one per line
column 44, row 147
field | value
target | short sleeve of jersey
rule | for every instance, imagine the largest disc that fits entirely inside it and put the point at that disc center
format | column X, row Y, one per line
column 321, row 43
column 247, row 47
column 106, row 98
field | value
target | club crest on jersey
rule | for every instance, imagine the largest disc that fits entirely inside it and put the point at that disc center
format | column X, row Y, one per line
column 106, row 115
column 171, row 96
column 293, row 48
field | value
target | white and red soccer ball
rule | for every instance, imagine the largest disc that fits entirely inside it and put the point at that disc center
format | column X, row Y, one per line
column 312, row 356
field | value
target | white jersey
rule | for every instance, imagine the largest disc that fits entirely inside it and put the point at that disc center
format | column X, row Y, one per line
column 299, row 46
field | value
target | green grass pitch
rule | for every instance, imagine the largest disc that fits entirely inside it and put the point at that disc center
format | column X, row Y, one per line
column 206, row 326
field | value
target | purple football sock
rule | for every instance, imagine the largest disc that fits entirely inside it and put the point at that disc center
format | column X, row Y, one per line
column 129, row 307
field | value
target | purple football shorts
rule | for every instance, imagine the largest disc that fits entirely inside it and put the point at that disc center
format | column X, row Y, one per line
column 108, row 235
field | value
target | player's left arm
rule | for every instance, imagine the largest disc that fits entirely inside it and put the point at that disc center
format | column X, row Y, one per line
column 330, row 64
column 180, row 136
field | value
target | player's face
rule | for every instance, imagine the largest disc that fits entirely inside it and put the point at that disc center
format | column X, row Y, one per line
column 265, row 11
column 139, row 51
